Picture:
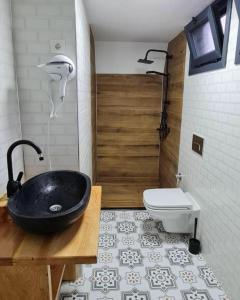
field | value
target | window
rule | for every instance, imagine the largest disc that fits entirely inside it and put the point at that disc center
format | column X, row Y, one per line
column 237, row 2
column 207, row 36
column 237, row 58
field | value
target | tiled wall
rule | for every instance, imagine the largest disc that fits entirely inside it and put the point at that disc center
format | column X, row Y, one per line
column 10, row 129
column 36, row 23
column 212, row 109
column 84, row 89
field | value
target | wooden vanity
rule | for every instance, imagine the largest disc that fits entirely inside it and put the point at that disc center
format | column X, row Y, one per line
column 32, row 267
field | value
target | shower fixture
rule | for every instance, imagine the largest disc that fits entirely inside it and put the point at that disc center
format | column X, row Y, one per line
column 147, row 61
column 156, row 73
column 163, row 129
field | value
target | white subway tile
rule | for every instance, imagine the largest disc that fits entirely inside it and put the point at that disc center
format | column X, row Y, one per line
column 20, row 9
column 48, row 10
column 25, row 35
column 38, row 48
column 18, row 23
column 47, row 36
column 36, row 23
column 61, row 24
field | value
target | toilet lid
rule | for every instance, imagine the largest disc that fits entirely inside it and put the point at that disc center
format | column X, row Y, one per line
column 166, row 199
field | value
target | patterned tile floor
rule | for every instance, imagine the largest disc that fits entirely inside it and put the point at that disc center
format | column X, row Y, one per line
column 137, row 260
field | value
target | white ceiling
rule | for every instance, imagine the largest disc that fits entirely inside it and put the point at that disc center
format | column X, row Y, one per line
column 141, row 20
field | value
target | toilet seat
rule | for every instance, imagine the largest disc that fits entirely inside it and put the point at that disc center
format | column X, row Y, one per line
column 166, row 199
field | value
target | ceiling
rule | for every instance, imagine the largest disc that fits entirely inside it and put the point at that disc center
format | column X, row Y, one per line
column 141, row 20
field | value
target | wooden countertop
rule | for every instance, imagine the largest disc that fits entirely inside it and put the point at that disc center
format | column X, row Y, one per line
column 76, row 245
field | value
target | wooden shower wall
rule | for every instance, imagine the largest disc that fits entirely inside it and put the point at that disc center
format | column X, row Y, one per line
column 170, row 147
column 127, row 150
column 127, row 143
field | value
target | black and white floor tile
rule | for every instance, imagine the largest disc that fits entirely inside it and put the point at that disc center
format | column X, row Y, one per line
column 137, row 260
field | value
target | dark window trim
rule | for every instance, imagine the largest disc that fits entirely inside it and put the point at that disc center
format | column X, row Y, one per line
column 237, row 2
column 221, row 63
column 237, row 55
column 206, row 16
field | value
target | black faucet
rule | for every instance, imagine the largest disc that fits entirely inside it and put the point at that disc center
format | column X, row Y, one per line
column 14, row 185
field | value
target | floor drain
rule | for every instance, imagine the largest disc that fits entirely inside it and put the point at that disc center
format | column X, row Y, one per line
column 55, row 207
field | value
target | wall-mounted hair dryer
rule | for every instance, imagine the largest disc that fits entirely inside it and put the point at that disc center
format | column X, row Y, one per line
column 59, row 68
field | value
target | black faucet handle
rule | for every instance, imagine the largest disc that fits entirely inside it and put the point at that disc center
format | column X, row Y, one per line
column 20, row 175
column 14, row 185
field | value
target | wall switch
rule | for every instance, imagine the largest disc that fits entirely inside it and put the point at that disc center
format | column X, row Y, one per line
column 197, row 144
column 58, row 46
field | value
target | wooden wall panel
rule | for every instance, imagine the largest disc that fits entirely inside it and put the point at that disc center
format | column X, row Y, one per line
column 170, row 147
column 128, row 114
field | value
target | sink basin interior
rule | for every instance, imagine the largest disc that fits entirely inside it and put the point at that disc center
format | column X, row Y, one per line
column 50, row 194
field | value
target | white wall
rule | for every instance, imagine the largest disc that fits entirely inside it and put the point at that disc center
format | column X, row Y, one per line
column 121, row 57
column 211, row 109
column 84, row 89
column 10, row 129
column 36, row 23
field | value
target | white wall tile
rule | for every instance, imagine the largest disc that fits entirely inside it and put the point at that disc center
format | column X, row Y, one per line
column 211, row 108
column 84, row 89
column 35, row 24
column 9, row 109
column 49, row 10
column 21, row 9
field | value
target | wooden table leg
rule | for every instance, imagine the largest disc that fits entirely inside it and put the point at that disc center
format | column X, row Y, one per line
column 72, row 272
column 55, row 280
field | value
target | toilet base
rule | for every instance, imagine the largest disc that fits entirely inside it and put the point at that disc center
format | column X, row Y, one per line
column 183, row 224
column 179, row 225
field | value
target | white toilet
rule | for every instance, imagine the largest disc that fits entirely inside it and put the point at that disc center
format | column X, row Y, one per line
column 177, row 210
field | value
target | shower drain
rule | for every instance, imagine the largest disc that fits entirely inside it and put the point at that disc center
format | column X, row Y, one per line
column 55, row 207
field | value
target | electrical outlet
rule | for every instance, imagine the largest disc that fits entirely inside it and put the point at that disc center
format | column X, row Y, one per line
column 58, row 46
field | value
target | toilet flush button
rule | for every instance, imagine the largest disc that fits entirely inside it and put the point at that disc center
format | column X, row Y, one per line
column 197, row 144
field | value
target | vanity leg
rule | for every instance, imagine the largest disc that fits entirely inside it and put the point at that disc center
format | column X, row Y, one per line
column 55, row 279
column 72, row 272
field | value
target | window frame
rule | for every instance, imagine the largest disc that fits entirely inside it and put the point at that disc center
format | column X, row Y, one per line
column 204, row 17
column 237, row 55
column 208, row 64
column 237, row 3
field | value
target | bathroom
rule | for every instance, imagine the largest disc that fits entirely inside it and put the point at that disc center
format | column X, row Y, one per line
column 136, row 106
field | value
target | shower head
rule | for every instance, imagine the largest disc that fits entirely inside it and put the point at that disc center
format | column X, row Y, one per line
column 145, row 61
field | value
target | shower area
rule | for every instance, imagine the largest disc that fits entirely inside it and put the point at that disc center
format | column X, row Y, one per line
column 138, row 119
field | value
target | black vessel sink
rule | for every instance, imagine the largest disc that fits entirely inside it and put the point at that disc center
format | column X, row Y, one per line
column 51, row 201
